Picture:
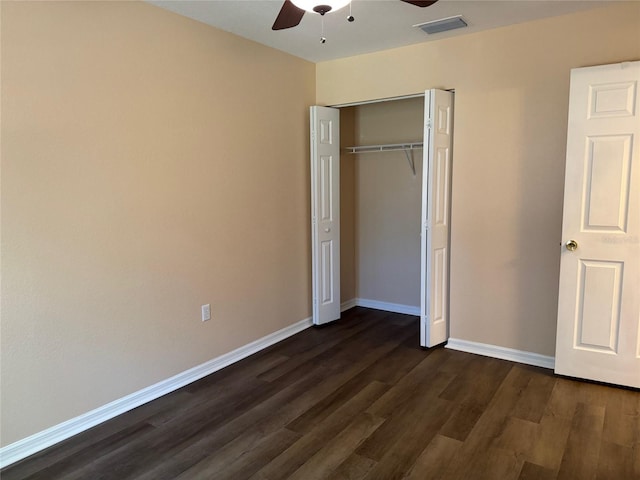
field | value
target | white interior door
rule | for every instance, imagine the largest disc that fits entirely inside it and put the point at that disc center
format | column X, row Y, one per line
column 599, row 299
column 325, row 213
column 436, row 205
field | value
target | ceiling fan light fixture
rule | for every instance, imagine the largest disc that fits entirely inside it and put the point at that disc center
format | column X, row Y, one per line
column 320, row 6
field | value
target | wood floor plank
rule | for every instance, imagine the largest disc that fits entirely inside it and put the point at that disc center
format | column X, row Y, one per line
column 534, row 398
column 67, row 467
column 302, row 357
column 591, row 393
column 331, row 426
column 336, row 451
column 244, row 464
column 517, row 436
column 434, row 459
column 296, row 455
column 472, row 457
column 581, row 456
column 477, row 380
column 550, row 441
column 554, row 427
column 563, row 400
column 387, row 369
column 402, row 421
column 423, row 381
column 355, row 467
column 531, row 471
column 462, row 421
column 480, row 389
column 210, row 399
column 495, row 463
column 397, row 449
column 250, row 367
column 622, row 418
column 236, row 437
column 398, row 363
column 616, row 461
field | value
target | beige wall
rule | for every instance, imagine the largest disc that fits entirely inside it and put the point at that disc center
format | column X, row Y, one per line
column 150, row 164
column 388, row 203
column 512, row 89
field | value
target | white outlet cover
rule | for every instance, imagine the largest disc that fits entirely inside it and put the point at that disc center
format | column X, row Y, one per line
column 206, row 312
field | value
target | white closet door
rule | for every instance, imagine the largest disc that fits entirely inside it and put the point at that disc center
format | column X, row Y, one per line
column 436, row 186
column 599, row 298
column 325, row 213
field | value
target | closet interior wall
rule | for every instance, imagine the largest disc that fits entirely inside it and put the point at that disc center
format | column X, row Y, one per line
column 381, row 204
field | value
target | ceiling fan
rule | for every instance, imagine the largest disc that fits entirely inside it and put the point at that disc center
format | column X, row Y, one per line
column 292, row 11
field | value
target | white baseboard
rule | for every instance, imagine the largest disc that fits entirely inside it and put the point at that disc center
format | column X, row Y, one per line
column 348, row 304
column 41, row 440
column 503, row 353
column 389, row 307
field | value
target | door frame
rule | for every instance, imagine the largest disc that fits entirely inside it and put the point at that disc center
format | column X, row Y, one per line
column 423, row 267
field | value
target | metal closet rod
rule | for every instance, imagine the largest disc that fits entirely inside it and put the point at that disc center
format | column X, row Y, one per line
column 390, row 147
column 387, row 147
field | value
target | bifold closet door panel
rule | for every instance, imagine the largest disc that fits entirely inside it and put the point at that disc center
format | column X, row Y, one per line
column 325, row 213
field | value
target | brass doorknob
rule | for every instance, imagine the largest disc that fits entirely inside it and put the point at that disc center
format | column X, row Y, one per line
column 572, row 245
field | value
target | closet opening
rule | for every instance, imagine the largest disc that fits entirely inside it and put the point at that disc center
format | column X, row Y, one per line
column 380, row 203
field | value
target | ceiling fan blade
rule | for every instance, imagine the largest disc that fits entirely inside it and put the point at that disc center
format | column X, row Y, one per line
column 289, row 16
column 419, row 3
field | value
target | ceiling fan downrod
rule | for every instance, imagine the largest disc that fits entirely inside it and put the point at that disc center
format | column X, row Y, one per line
column 322, row 37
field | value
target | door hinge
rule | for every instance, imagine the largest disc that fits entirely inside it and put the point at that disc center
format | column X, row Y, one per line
column 428, row 123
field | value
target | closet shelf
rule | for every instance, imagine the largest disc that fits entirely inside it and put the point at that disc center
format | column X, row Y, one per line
column 390, row 147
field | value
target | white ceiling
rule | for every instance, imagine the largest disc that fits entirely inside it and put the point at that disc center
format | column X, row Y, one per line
column 379, row 24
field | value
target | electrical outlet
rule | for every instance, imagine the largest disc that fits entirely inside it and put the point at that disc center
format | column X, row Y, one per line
column 206, row 312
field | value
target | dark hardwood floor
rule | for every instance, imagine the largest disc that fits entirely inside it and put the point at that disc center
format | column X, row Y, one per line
column 360, row 400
